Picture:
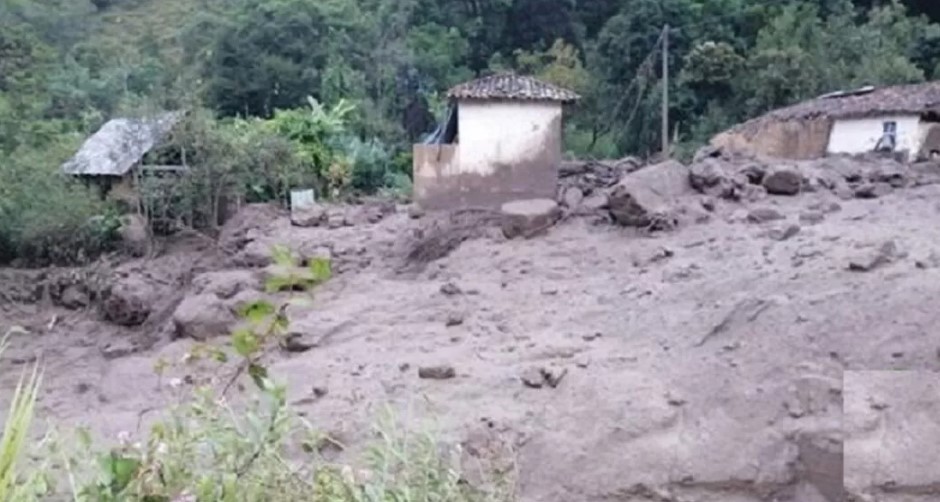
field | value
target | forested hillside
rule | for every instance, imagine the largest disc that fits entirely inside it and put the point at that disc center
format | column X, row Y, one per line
column 377, row 71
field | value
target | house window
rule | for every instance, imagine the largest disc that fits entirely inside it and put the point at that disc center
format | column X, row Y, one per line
column 889, row 137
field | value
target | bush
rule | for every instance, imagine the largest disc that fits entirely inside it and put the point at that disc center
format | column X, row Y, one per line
column 47, row 218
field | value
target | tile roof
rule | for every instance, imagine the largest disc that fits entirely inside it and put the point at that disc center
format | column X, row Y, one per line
column 513, row 87
column 864, row 102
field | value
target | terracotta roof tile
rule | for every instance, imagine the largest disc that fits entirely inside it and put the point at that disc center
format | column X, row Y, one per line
column 514, row 87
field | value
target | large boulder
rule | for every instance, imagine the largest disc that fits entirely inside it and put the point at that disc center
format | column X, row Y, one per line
column 201, row 317
column 524, row 218
column 712, row 176
column 128, row 303
column 646, row 198
column 311, row 216
column 783, row 180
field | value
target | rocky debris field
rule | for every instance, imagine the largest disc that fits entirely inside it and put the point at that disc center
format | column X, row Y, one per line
column 734, row 330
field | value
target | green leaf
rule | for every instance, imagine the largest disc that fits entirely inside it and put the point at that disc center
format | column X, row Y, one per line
column 256, row 311
column 245, row 342
column 281, row 255
column 122, row 470
column 259, row 374
column 321, row 269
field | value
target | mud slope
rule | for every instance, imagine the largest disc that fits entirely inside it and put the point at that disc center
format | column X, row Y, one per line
column 704, row 364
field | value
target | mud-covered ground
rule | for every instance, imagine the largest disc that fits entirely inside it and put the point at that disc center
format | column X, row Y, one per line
column 745, row 356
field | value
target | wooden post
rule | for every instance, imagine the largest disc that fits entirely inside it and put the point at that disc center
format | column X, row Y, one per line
column 665, row 111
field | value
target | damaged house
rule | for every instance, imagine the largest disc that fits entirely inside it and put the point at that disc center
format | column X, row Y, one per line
column 899, row 120
column 501, row 141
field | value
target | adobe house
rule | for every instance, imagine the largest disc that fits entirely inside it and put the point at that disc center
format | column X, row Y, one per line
column 501, row 141
column 902, row 120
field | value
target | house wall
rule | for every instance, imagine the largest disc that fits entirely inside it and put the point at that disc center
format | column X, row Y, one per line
column 856, row 136
column 506, row 150
column 794, row 139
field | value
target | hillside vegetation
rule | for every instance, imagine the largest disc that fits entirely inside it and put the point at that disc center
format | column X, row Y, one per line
column 263, row 77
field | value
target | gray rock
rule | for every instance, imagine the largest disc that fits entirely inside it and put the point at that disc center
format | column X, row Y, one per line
column 128, row 303
column 597, row 201
column 226, row 283
column 75, row 297
column 763, row 215
column 872, row 190
column 784, row 233
column 312, row 216
column 783, row 181
column 201, row 317
column 884, row 254
column 443, row 372
column 812, row 217
column 647, row 198
column 118, row 348
column 415, row 212
column 524, row 218
column 572, row 197
column 454, row 319
column 450, row 289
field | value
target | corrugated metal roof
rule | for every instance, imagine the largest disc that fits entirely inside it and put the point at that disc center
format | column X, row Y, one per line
column 512, row 87
column 119, row 144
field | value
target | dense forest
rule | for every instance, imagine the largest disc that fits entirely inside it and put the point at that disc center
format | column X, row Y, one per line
column 336, row 90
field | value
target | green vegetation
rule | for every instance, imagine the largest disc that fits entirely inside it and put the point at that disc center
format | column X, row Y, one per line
column 331, row 93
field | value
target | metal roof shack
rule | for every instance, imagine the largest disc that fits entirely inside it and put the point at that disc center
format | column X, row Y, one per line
column 120, row 144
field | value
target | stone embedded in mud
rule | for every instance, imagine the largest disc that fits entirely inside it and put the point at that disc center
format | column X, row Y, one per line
column 126, row 304
column 226, row 284
column 783, row 181
column 415, row 212
column 572, row 197
column 885, row 253
column 763, row 215
column 811, row 217
column 118, row 348
column 784, row 233
column 450, row 289
column 75, row 297
column 299, row 342
column 538, row 377
column 638, row 202
column 873, row 190
column 524, row 218
column 454, row 319
column 443, row 372
column 201, row 317
column 312, row 216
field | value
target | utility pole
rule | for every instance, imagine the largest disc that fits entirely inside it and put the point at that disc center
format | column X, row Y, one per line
column 665, row 92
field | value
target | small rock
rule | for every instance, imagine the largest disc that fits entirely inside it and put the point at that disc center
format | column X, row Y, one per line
column 415, row 212
column 297, row 342
column 931, row 261
column 783, row 181
column 454, row 319
column 450, row 289
column 782, row 234
column 763, row 215
column 533, row 378
column 319, row 392
column 708, row 203
column 537, row 378
column 118, row 349
column 336, row 219
column 572, row 197
column 437, row 372
column 74, row 297
column 872, row 190
column 883, row 255
column 592, row 336
column 811, row 217
column 549, row 290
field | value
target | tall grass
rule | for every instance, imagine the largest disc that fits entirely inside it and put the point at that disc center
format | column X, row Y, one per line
column 16, row 429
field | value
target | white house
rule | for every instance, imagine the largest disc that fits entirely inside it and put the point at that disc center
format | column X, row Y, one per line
column 903, row 120
column 502, row 141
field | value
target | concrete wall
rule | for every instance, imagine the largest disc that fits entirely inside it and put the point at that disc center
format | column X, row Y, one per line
column 506, row 150
column 855, row 136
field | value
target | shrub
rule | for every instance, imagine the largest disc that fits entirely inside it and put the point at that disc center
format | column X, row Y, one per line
column 14, row 439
